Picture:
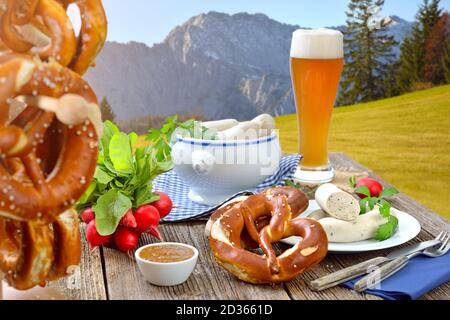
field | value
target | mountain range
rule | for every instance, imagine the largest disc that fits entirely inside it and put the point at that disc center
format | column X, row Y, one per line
column 216, row 65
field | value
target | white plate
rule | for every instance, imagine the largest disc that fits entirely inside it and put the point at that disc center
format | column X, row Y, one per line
column 408, row 229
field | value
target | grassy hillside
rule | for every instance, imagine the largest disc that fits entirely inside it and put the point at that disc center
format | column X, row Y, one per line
column 406, row 140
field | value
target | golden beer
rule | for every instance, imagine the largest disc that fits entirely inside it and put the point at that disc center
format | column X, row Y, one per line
column 316, row 66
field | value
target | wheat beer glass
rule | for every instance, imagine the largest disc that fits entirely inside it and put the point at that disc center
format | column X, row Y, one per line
column 317, row 61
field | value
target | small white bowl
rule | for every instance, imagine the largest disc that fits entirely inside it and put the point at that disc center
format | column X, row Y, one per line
column 166, row 274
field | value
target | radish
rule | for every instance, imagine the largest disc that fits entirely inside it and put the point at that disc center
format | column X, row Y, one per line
column 128, row 220
column 146, row 216
column 126, row 239
column 87, row 215
column 374, row 186
column 153, row 231
column 94, row 238
column 164, row 204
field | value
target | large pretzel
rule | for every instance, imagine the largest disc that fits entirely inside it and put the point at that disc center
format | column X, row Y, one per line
column 42, row 27
column 49, row 150
column 49, row 154
column 66, row 116
column 265, row 219
column 33, row 253
column 92, row 34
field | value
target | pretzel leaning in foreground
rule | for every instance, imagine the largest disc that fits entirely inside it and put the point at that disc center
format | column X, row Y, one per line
column 260, row 221
column 49, row 157
column 49, row 150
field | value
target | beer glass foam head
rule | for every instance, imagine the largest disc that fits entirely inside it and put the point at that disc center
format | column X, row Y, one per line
column 317, row 44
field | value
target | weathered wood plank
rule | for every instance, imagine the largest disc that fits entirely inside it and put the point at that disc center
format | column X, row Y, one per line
column 208, row 281
column 431, row 223
column 87, row 282
column 298, row 289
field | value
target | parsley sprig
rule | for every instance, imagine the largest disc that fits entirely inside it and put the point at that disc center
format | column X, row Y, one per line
column 388, row 229
column 162, row 139
column 370, row 202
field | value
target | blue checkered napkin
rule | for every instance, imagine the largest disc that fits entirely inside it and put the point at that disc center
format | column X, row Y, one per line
column 186, row 210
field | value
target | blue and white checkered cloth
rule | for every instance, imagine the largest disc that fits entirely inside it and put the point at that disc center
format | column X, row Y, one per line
column 185, row 209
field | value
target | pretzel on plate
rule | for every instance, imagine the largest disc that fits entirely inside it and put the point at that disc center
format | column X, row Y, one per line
column 262, row 220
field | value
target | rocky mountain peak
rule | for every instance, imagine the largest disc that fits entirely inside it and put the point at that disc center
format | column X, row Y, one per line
column 215, row 64
column 234, row 39
column 397, row 20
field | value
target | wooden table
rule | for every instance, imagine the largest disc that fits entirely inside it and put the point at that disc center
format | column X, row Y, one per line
column 109, row 274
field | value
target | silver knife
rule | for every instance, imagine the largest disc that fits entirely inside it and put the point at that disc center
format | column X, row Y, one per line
column 362, row 268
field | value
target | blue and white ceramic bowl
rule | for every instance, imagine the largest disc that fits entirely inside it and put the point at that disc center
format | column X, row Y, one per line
column 217, row 169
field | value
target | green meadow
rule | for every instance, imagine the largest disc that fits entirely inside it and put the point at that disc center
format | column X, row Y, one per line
column 405, row 140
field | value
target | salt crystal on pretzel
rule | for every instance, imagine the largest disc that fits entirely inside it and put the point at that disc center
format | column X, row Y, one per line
column 70, row 109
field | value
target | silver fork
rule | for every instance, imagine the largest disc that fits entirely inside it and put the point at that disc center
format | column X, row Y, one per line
column 390, row 268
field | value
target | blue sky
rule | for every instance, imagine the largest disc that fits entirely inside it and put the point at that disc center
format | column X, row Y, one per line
column 149, row 21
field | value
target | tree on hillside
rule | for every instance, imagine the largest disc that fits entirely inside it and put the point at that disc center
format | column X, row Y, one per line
column 368, row 51
column 390, row 80
column 412, row 57
column 107, row 111
column 435, row 51
column 408, row 71
column 446, row 63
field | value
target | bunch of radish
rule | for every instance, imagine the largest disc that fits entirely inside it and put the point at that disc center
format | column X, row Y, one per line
column 145, row 219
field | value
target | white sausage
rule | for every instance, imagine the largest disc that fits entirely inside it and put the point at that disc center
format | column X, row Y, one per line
column 244, row 130
column 221, row 124
column 265, row 121
column 363, row 228
column 266, row 124
column 337, row 203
